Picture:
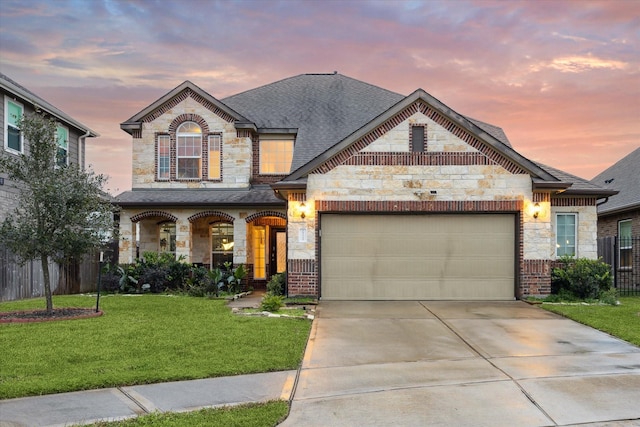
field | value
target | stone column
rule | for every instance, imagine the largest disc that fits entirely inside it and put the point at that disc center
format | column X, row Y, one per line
column 127, row 240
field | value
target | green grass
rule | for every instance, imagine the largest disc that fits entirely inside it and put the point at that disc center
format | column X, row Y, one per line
column 141, row 340
column 251, row 415
column 622, row 321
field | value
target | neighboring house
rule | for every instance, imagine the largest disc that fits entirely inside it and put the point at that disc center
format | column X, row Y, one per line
column 15, row 281
column 619, row 219
column 357, row 191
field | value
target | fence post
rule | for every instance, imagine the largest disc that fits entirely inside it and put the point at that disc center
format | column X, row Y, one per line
column 615, row 262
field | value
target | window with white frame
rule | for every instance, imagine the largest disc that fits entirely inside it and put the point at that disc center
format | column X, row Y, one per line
column 215, row 143
column 13, row 140
column 189, row 151
column 625, row 244
column 221, row 244
column 62, row 139
column 167, row 237
column 164, row 157
column 566, row 234
column 275, row 156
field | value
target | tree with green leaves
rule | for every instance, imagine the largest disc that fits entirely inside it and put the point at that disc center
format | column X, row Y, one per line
column 62, row 212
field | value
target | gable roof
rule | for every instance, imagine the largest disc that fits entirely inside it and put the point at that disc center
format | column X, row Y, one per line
column 485, row 134
column 623, row 176
column 135, row 122
column 22, row 92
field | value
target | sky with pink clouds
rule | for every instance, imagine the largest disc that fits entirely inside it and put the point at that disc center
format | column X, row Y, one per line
column 562, row 78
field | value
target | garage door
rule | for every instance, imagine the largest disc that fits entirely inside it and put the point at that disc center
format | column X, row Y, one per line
column 409, row 257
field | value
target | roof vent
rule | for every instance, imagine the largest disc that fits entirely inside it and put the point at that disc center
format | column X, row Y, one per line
column 608, row 181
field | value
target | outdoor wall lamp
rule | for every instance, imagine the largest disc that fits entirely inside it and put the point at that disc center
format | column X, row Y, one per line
column 303, row 210
column 536, row 210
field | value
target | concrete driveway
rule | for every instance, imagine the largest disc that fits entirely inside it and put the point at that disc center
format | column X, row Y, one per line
column 383, row 363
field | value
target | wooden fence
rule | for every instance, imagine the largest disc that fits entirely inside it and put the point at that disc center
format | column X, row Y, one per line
column 27, row 281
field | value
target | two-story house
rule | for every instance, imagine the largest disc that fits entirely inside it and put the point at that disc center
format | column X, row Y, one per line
column 357, row 191
column 15, row 281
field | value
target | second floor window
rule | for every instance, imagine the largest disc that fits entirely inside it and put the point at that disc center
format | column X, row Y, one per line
column 164, row 157
column 214, row 156
column 189, row 151
column 13, row 136
column 62, row 139
column 276, row 156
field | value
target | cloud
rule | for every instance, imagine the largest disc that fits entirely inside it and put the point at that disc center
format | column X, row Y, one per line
column 579, row 64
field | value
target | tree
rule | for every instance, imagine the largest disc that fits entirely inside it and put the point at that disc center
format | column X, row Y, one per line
column 61, row 212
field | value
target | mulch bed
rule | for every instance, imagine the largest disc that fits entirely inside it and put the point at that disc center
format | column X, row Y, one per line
column 66, row 313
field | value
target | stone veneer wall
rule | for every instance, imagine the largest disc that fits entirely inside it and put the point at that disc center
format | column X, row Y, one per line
column 236, row 147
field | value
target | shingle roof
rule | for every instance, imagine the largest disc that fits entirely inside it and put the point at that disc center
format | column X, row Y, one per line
column 623, row 176
column 325, row 108
column 21, row 91
column 492, row 130
column 578, row 185
column 258, row 195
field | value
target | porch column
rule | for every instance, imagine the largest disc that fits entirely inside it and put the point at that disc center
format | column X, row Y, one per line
column 127, row 240
column 183, row 237
column 239, row 241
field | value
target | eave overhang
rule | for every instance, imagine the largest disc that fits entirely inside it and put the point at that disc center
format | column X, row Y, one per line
column 283, row 188
column 618, row 210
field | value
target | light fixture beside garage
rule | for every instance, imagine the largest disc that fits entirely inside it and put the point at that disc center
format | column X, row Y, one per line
column 536, row 210
column 303, row 210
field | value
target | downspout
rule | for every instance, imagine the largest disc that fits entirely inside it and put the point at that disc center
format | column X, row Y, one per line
column 606, row 199
column 81, row 148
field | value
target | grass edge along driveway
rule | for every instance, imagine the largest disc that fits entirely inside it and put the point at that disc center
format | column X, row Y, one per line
column 622, row 321
column 141, row 339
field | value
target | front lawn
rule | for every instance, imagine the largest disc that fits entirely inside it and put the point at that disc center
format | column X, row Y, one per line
column 622, row 321
column 141, row 340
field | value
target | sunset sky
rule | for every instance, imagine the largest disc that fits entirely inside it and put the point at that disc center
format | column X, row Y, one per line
column 562, row 78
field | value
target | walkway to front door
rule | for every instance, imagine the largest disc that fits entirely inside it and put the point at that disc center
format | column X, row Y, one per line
column 461, row 363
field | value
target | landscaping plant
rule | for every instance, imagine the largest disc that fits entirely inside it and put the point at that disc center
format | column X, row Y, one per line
column 584, row 278
column 277, row 283
column 61, row 211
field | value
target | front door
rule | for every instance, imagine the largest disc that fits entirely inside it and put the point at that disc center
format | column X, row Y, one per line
column 278, row 251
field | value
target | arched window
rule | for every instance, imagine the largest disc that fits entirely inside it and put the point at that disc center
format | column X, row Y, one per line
column 189, row 150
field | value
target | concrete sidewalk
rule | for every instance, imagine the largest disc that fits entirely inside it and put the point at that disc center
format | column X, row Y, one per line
column 85, row 407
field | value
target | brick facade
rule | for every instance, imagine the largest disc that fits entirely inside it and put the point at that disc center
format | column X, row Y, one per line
column 608, row 224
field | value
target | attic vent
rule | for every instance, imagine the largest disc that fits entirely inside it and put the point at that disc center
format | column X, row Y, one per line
column 608, row 181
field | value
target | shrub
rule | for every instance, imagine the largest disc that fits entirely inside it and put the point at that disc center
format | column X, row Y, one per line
column 276, row 285
column 272, row 303
column 584, row 278
column 609, row 297
column 234, row 277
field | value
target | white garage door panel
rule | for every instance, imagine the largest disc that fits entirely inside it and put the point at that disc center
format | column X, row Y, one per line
column 418, row 256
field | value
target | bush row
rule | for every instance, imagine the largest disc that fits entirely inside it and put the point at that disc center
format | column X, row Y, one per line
column 158, row 273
